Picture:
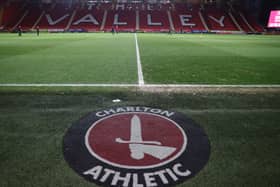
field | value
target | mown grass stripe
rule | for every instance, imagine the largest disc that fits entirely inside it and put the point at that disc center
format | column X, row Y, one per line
column 145, row 85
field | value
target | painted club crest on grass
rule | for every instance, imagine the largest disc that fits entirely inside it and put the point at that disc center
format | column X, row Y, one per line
column 136, row 146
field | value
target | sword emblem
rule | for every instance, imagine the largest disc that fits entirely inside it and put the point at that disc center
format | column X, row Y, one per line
column 138, row 147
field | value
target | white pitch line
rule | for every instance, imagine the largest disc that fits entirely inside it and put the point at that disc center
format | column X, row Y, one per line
column 139, row 66
column 144, row 85
column 212, row 85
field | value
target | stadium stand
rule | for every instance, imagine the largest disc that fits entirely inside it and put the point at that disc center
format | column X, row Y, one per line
column 243, row 24
column 247, row 22
column 219, row 20
column 187, row 19
column 127, row 17
column 156, row 20
column 87, row 19
column 12, row 14
column 256, row 26
column 122, row 20
column 1, row 16
column 30, row 19
column 55, row 18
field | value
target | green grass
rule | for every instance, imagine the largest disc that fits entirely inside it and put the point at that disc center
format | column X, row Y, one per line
column 210, row 59
column 243, row 130
column 67, row 58
column 166, row 59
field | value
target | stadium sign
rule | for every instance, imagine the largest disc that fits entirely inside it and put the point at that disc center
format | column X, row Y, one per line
column 136, row 146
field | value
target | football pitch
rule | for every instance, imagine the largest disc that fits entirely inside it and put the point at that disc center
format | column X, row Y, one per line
column 49, row 82
column 164, row 59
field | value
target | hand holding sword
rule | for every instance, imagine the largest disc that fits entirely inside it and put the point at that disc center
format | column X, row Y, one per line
column 138, row 147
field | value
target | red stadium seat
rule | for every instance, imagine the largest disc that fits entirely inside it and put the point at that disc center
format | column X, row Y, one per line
column 128, row 18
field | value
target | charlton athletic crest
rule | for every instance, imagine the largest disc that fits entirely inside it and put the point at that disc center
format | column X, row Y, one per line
column 136, row 146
